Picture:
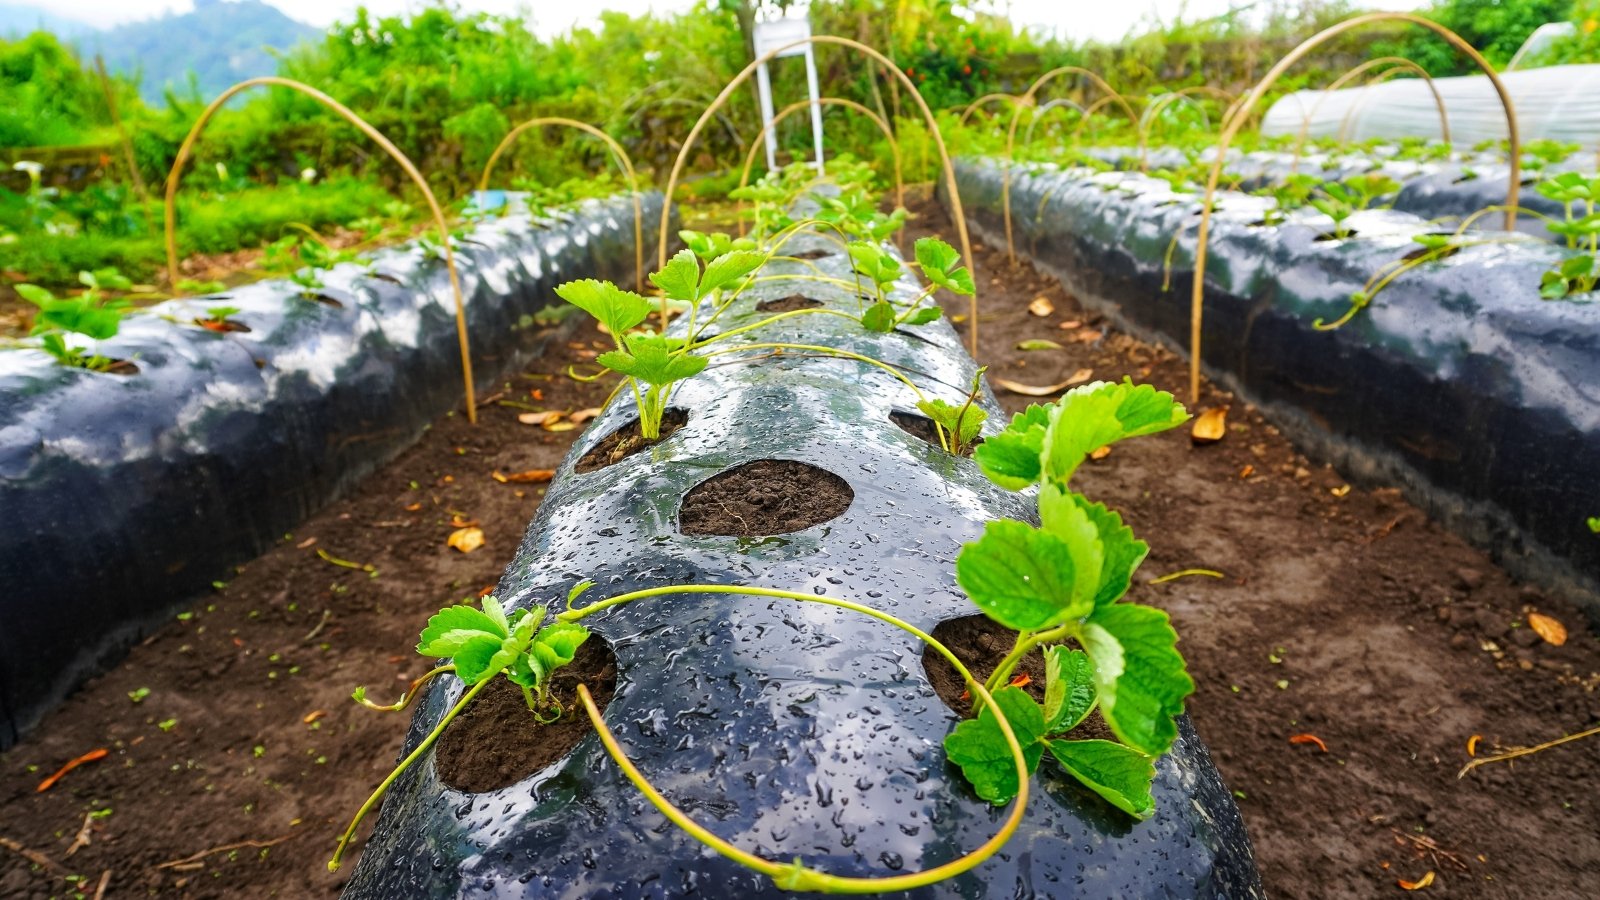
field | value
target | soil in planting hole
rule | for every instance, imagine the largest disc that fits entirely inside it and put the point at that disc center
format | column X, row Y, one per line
column 812, row 254
column 923, row 427
column 980, row 643
column 762, row 498
column 497, row 741
column 788, row 304
column 222, row 326
column 626, row 441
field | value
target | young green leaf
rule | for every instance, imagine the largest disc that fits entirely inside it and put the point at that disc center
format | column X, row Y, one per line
column 1027, row 579
column 874, row 262
column 650, row 359
column 34, row 294
column 940, row 264
column 556, row 645
column 1069, row 692
column 1123, row 552
column 454, row 627
column 925, row 315
column 964, row 420
column 1012, row 458
column 1120, row 774
column 980, row 749
column 879, row 318
column 616, row 309
column 680, row 280
column 1094, row 415
column 728, row 268
column 1139, row 674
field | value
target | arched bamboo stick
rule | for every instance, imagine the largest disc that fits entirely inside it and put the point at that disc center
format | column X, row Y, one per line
column 927, row 114
column 979, row 103
column 187, row 148
column 1231, row 128
column 798, row 105
column 617, row 153
column 1041, row 112
column 1160, row 104
column 1401, row 64
column 1027, row 99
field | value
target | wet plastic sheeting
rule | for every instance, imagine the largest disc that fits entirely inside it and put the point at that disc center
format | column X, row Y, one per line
column 790, row 729
column 124, row 496
column 1458, row 382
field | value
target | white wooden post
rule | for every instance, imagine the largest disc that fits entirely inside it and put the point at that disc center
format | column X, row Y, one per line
column 769, row 36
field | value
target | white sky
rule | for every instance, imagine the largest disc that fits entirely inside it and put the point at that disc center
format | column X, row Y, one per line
column 1077, row 19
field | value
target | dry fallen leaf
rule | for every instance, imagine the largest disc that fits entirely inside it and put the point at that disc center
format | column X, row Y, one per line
column 1070, row 324
column 413, row 507
column 539, row 418
column 1417, row 885
column 314, row 715
column 305, row 543
column 1088, row 336
column 466, row 539
column 584, row 415
column 1308, row 739
column 1340, row 491
column 532, row 476
column 1472, row 744
column 1210, row 426
column 1247, row 471
column 1031, row 390
column 1038, row 344
column 1041, row 306
column 1100, row 453
column 560, row 426
column 1552, row 631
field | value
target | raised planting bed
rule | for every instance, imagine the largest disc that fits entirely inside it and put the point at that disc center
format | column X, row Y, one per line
column 127, row 493
column 791, row 729
column 1457, row 382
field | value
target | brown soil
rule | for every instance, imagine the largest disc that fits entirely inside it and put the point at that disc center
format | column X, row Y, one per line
column 765, row 497
column 980, row 643
column 788, row 304
column 923, row 427
column 1343, row 613
column 626, row 441
column 253, row 682
column 497, row 741
column 812, row 254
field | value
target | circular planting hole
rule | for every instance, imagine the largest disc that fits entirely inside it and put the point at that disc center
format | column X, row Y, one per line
column 980, row 643
column 922, row 427
column 626, row 441
column 763, row 498
column 788, row 304
column 1335, row 236
column 325, row 300
column 812, row 254
column 497, row 741
column 222, row 326
column 121, row 367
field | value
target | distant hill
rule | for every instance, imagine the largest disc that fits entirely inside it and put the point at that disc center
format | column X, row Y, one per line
column 221, row 41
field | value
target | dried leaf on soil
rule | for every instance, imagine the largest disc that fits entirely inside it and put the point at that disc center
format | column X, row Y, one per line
column 1472, row 744
column 584, row 415
column 1100, row 453
column 1551, row 630
column 1210, row 426
column 532, row 476
column 1070, row 324
column 560, row 426
column 1046, row 390
column 1417, row 885
column 1308, row 739
column 1038, row 344
column 539, row 418
column 91, row 756
column 1041, row 306
column 466, row 539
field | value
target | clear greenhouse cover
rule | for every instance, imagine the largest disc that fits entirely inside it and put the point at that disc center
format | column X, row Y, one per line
column 1557, row 102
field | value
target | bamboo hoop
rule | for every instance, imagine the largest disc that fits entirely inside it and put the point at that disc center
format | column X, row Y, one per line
column 1027, row 99
column 1402, row 64
column 1041, row 112
column 618, row 154
column 979, row 103
column 791, row 109
column 1231, row 128
column 956, row 211
column 187, row 147
column 1160, row 104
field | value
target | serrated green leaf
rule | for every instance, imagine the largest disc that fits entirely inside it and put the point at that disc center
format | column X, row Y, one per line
column 651, row 359
column 728, row 268
column 480, row 658
column 964, row 420
column 1013, row 457
column 492, row 609
column 940, row 265
column 979, row 748
column 879, row 318
column 680, row 279
column 925, row 315
column 1027, row 579
column 556, row 645
column 1123, row 553
column 1120, row 774
column 453, row 627
column 1140, row 676
column 617, row 309
column 1069, row 691
column 1094, row 415
column 34, row 294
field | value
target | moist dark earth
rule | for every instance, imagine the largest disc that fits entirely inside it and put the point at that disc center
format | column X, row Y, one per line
column 1341, row 612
